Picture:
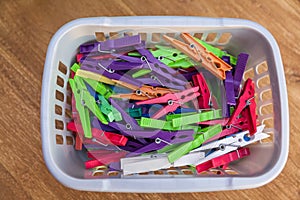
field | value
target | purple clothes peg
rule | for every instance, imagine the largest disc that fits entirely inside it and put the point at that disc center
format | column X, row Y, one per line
column 228, row 83
column 101, row 147
column 158, row 80
column 131, row 123
column 116, row 166
column 100, row 67
column 239, row 71
column 97, row 124
column 131, row 145
column 116, row 65
column 146, row 53
column 110, row 46
column 164, row 138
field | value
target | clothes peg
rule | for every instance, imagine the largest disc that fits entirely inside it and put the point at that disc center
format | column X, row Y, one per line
column 223, row 159
column 135, row 112
column 94, row 76
column 142, row 93
column 230, row 143
column 240, row 125
column 196, row 118
column 186, row 147
column 151, row 65
column 97, row 124
column 101, row 67
column 163, row 125
column 111, row 113
column 246, row 106
column 229, row 86
column 162, row 139
column 171, row 57
column 205, row 95
column 127, row 124
column 103, row 137
column 218, row 52
column 199, row 54
column 132, row 145
column 173, row 100
column 84, row 103
column 102, row 89
column 158, row 80
column 111, row 46
column 104, row 159
column 239, row 72
column 139, row 164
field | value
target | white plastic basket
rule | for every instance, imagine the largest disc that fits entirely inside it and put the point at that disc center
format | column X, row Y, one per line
column 267, row 158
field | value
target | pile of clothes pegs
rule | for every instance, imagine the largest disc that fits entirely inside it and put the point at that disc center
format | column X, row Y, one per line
column 137, row 109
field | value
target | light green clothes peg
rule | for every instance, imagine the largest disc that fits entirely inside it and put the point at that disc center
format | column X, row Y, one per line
column 218, row 52
column 84, row 103
column 177, row 151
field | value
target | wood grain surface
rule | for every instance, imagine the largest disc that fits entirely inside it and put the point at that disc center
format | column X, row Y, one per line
column 25, row 31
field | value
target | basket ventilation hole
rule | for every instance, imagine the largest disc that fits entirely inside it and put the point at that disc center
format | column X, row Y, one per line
column 69, row 140
column 198, row 35
column 58, row 110
column 155, row 37
column 267, row 109
column 143, row 36
column 269, row 123
column 62, row 68
column 266, row 95
column 60, row 81
column 224, row 38
column 231, row 172
column 262, row 67
column 172, row 35
column 249, row 74
column 59, row 96
column 173, row 172
column 68, row 113
column 59, row 139
column 144, row 173
column 113, row 35
column 264, row 81
column 187, row 172
column 69, row 100
column 113, row 173
column 128, row 33
column 211, row 37
column 59, row 124
column 100, row 36
column 99, row 173
column 159, row 172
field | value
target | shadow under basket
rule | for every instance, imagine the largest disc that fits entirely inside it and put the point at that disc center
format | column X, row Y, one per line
column 267, row 158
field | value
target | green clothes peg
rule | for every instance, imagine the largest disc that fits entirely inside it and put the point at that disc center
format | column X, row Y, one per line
column 99, row 87
column 111, row 113
column 195, row 118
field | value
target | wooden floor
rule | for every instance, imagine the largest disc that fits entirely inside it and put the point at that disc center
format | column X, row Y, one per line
column 25, row 31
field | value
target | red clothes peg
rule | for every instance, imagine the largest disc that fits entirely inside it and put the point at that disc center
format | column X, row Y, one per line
column 223, row 160
column 204, row 97
column 246, row 106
